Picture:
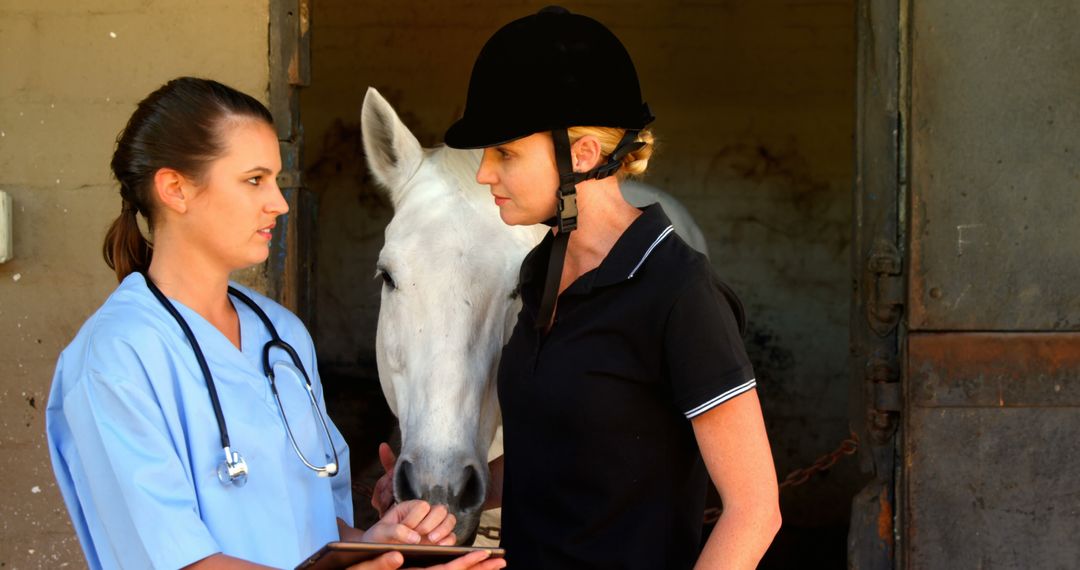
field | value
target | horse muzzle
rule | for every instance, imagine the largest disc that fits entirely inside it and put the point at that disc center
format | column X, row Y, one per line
column 460, row 484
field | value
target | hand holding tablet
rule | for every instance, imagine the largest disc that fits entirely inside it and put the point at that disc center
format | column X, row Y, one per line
column 370, row 556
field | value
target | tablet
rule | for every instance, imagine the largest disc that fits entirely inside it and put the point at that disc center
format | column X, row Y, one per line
column 336, row 555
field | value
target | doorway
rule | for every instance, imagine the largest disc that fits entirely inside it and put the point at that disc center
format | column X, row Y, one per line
column 755, row 121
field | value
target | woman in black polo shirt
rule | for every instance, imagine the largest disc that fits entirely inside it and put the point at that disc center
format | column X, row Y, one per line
column 625, row 383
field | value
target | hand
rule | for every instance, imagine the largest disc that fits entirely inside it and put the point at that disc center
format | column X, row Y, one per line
column 383, row 496
column 388, row 561
column 471, row 561
column 414, row 522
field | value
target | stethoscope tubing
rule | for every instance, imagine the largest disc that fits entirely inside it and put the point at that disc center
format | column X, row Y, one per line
column 214, row 401
column 275, row 342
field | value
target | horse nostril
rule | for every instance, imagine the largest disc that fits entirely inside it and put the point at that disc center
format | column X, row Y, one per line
column 404, row 489
column 472, row 490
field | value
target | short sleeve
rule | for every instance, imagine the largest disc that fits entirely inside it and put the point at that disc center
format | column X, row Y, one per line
column 704, row 348
column 140, row 505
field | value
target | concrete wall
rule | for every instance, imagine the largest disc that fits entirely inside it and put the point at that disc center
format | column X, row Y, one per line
column 70, row 75
column 755, row 107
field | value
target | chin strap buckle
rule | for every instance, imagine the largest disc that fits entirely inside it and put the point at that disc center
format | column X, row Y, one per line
column 566, row 209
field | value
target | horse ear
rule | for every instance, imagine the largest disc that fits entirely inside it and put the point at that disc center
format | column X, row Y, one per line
column 393, row 153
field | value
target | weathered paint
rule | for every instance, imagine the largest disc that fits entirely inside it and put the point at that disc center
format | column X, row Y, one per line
column 990, row 450
column 877, row 294
column 995, row 165
column 288, row 271
column 952, row 370
column 885, row 519
column 871, row 542
column 991, row 396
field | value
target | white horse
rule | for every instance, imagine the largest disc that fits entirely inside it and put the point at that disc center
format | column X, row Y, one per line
column 449, row 267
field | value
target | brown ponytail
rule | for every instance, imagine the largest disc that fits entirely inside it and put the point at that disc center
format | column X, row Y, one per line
column 180, row 126
column 126, row 251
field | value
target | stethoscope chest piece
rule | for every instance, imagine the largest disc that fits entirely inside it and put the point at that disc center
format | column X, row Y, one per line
column 233, row 469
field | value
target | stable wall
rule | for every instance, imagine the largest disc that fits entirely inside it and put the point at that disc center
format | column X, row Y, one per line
column 755, row 115
column 70, row 76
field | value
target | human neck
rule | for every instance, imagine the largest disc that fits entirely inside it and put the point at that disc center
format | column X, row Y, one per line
column 603, row 216
column 192, row 278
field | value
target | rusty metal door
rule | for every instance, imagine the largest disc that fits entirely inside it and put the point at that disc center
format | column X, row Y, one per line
column 987, row 198
column 289, row 271
column 991, row 441
column 877, row 274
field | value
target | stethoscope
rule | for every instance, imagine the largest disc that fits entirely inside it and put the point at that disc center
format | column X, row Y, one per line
column 234, row 469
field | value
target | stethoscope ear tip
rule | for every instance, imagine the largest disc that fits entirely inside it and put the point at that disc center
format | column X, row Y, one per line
column 329, row 471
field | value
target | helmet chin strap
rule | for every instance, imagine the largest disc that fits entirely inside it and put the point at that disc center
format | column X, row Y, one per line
column 566, row 211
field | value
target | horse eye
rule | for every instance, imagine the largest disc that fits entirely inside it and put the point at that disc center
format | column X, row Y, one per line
column 387, row 279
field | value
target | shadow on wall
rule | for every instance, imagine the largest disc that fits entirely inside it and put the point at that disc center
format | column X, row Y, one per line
column 781, row 238
column 353, row 213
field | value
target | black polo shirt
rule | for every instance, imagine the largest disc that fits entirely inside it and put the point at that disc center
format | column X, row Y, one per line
column 602, row 468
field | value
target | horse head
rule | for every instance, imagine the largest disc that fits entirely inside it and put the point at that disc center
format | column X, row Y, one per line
column 449, row 267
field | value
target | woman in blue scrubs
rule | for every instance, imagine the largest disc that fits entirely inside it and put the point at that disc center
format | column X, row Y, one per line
column 143, row 414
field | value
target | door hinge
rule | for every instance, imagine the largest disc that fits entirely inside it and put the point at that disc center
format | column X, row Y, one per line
column 885, row 299
column 883, row 383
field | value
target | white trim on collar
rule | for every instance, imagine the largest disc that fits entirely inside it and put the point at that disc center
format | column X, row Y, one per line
column 655, row 242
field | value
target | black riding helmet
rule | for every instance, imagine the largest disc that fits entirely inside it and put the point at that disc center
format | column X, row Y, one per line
column 548, row 72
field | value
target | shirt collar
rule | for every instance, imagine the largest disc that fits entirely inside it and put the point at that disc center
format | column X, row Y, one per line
column 633, row 248
column 625, row 259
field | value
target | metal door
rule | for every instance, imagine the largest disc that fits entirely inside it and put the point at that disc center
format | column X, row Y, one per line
column 992, row 422
column 877, row 278
column 988, row 244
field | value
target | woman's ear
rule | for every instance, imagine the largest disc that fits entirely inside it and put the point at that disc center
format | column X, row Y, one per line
column 586, row 153
column 169, row 186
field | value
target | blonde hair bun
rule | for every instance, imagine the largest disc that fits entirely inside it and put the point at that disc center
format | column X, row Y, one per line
column 633, row 164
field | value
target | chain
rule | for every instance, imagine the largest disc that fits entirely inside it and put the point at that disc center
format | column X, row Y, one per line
column 712, row 514
column 799, row 476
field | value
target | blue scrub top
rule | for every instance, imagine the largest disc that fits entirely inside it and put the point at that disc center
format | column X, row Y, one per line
column 135, row 446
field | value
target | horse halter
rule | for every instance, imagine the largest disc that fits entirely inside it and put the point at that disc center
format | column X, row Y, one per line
column 234, row 470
